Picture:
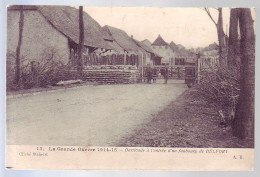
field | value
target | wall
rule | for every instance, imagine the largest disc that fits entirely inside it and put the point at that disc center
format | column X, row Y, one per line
column 164, row 51
column 148, row 58
column 38, row 37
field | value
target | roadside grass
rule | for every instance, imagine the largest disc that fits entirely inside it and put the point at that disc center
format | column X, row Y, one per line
column 49, row 88
column 189, row 121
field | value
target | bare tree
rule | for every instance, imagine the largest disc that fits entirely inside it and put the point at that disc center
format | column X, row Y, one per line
column 221, row 35
column 243, row 124
column 18, row 49
column 233, row 42
column 81, row 40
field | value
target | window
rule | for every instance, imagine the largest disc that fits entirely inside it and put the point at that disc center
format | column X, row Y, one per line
column 182, row 61
column 176, row 61
column 179, row 61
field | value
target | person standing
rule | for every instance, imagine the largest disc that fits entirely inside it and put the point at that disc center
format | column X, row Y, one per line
column 149, row 73
column 165, row 74
column 155, row 74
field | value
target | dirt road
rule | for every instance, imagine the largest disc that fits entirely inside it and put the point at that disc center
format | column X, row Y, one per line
column 86, row 115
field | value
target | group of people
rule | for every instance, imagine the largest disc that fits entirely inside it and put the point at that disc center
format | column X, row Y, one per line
column 151, row 73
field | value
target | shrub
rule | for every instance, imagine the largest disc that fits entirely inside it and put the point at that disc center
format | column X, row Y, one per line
column 220, row 86
column 46, row 71
column 10, row 71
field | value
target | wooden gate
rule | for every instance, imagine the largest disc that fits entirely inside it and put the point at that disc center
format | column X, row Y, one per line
column 174, row 72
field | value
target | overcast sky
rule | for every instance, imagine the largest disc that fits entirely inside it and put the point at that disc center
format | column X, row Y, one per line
column 190, row 27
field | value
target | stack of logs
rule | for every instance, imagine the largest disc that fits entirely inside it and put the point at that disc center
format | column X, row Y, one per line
column 111, row 75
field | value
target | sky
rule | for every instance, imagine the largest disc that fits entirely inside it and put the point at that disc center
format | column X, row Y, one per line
column 190, row 27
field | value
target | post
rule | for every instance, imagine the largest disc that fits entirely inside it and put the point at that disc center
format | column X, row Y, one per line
column 124, row 58
column 81, row 40
column 18, row 49
column 142, row 66
column 198, row 74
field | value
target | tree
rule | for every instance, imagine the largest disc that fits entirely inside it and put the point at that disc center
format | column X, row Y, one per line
column 81, row 40
column 221, row 36
column 18, row 49
column 243, row 124
column 233, row 42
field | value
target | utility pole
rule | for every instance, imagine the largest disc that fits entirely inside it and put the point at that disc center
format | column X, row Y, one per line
column 81, row 41
column 18, row 49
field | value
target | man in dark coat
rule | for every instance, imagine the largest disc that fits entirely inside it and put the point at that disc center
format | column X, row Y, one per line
column 155, row 74
column 166, row 74
column 149, row 73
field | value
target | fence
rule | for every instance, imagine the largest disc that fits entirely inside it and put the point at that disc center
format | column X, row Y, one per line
column 174, row 72
column 207, row 63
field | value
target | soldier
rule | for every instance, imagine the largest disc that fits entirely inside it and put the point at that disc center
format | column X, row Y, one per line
column 155, row 74
column 149, row 74
column 165, row 73
column 162, row 71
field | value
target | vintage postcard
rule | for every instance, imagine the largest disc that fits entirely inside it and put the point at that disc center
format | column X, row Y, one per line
column 144, row 88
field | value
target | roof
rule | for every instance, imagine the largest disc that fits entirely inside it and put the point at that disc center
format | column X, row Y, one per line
column 173, row 46
column 112, row 42
column 65, row 19
column 180, row 50
column 175, row 49
column 122, row 39
column 147, row 42
column 159, row 41
column 25, row 7
column 143, row 46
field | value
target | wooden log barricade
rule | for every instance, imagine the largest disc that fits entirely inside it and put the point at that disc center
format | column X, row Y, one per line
column 111, row 74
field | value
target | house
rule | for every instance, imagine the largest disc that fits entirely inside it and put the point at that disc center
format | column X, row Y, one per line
column 147, row 42
column 132, row 53
column 183, row 56
column 150, row 56
column 163, row 49
column 116, row 49
column 210, row 50
column 50, row 30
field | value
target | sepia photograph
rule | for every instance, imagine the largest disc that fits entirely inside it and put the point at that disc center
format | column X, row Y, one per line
column 131, row 77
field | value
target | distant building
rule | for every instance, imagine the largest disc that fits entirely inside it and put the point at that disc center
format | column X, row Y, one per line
column 163, row 49
column 150, row 57
column 210, row 50
column 147, row 42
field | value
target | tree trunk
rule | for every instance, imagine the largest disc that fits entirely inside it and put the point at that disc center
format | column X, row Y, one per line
column 221, row 39
column 243, row 124
column 233, row 42
column 81, row 40
column 18, row 49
